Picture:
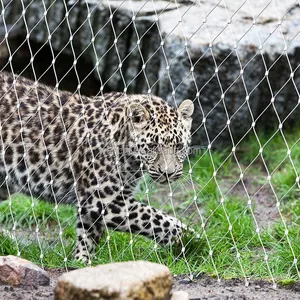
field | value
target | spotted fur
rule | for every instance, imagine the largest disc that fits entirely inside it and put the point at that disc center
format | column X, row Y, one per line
column 92, row 152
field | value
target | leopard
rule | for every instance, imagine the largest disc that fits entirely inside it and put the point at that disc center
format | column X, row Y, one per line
column 92, row 152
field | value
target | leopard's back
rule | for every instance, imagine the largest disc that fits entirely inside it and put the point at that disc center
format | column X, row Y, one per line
column 39, row 138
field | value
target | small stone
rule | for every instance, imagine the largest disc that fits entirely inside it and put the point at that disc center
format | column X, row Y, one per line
column 43, row 294
column 296, row 287
column 180, row 295
column 229, row 289
column 124, row 280
column 185, row 281
column 257, row 287
column 18, row 271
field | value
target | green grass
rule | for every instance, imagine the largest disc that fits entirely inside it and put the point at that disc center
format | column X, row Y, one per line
column 229, row 246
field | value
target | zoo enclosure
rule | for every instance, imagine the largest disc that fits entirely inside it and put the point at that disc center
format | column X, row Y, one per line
column 237, row 60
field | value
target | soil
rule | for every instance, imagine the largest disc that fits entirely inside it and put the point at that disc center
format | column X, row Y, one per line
column 263, row 200
column 234, row 289
column 204, row 288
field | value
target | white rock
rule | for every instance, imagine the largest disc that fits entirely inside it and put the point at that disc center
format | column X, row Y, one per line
column 118, row 281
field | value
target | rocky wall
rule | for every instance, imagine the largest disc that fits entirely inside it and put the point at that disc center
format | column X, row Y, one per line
column 238, row 63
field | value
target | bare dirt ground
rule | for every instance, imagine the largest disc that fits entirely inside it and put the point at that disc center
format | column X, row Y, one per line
column 200, row 289
column 234, row 289
column 263, row 200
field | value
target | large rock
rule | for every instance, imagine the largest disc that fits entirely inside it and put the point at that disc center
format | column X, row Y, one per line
column 231, row 60
column 17, row 271
column 229, row 53
column 119, row 281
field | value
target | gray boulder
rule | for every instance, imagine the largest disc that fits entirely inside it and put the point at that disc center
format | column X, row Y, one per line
column 238, row 63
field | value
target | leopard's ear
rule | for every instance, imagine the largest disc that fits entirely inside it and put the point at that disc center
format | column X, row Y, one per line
column 186, row 109
column 138, row 115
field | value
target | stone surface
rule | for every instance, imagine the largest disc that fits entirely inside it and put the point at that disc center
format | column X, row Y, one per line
column 180, row 295
column 235, row 45
column 231, row 60
column 119, row 281
column 17, row 271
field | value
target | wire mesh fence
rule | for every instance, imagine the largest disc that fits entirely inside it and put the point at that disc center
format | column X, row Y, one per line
column 236, row 60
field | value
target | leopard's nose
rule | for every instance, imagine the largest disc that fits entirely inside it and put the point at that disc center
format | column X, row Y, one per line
column 167, row 171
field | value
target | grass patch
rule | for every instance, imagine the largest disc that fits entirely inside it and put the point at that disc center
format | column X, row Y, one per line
column 230, row 245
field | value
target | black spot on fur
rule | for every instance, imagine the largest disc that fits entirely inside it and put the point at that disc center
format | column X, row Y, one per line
column 145, row 217
column 146, row 225
column 108, row 190
column 95, row 215
column 134, row 228
column 115, row 119
column 133, row 215
column 157, row 230
column 83, row 211
column 166, row 224
column 156, row 222
column 114, row 208
column 159, row 217
column 21, row 166
column 99, row 205
column 119, row 220
column 8, row 155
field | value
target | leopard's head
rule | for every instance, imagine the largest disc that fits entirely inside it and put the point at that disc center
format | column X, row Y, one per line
column 161, row 136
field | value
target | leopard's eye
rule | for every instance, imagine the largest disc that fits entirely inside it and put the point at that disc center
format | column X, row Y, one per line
column 179, row 147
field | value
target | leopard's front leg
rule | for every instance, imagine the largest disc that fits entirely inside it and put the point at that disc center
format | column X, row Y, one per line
column 135, row 217
column 89, row 231
column 125, row 215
